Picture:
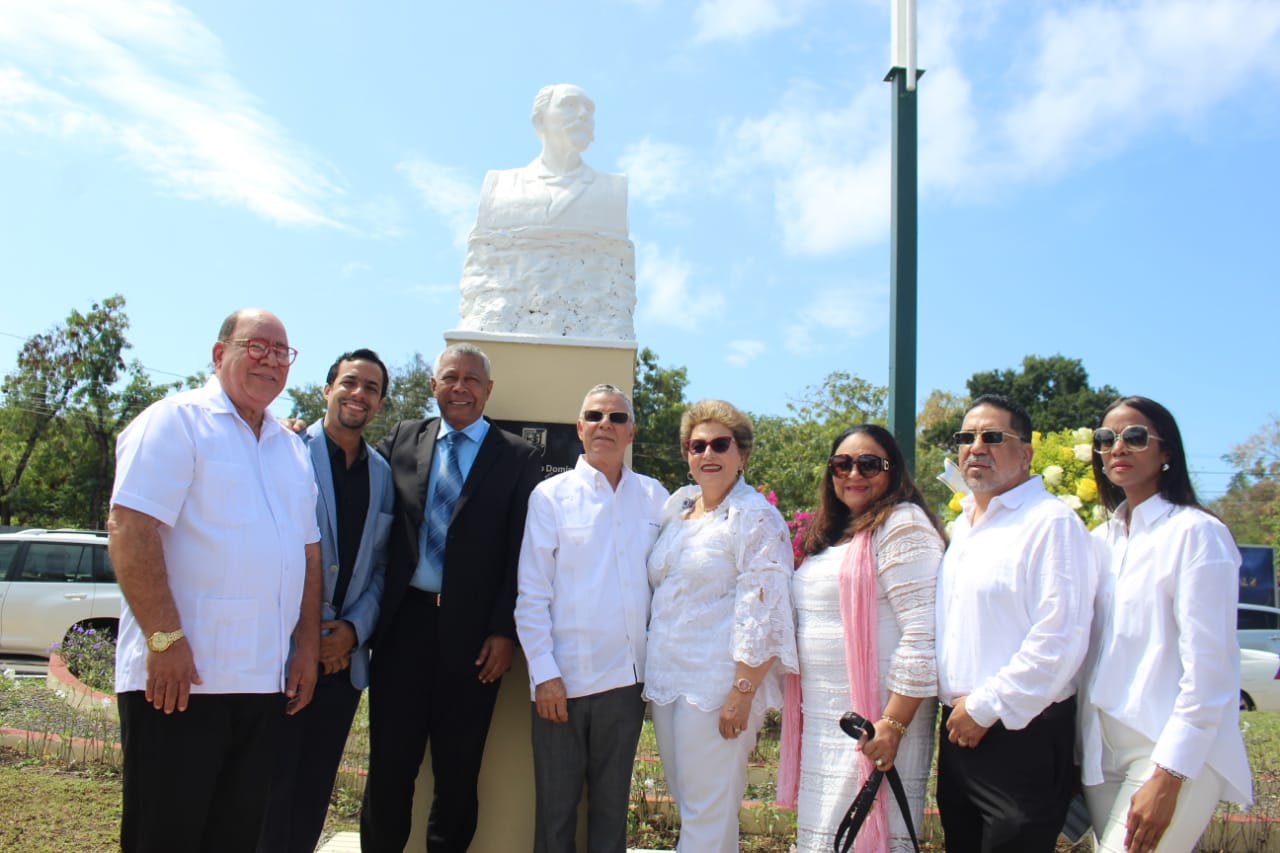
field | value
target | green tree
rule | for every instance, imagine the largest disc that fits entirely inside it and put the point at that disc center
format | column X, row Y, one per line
column 1251, row 504
column 408, row 396
column 658, row 398
column 69, row 379
column 790, row 451
column 1053, row 389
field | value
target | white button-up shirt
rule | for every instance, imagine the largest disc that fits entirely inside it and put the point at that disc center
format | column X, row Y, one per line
column 583, row 602
column 1015, row 600
column 237, row 511
column 1165, row 659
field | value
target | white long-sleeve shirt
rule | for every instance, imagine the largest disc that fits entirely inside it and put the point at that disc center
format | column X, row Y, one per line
column 1015, row 600
column 1165, row 661
column 583, row 602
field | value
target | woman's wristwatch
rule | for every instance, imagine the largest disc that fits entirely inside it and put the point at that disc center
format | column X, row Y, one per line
column 744, row 685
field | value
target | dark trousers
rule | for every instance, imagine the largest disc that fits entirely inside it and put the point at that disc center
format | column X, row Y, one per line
column 596, row 747
column 415, row 700
column 1010, row 793
column 197, row 780
column 308, row 751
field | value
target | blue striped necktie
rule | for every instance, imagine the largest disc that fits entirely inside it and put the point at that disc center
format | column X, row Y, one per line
column 448, row 487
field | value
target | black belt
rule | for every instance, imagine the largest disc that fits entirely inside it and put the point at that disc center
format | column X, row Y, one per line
column 430, row 598
column 855, row 725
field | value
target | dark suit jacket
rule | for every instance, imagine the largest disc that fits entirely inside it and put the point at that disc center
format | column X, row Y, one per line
column 478, row 591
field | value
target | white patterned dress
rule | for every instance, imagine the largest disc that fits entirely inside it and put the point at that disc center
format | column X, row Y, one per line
column 907, row 551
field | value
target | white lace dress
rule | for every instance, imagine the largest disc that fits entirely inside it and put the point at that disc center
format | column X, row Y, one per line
column 907, row 551
column 721, row 592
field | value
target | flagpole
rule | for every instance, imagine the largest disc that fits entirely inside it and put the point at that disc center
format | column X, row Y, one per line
column 903, row 74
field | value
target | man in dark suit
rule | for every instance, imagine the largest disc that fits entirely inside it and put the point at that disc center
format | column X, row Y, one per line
column 447, row 632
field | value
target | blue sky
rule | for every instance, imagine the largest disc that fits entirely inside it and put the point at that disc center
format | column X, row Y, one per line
column 1096, row 179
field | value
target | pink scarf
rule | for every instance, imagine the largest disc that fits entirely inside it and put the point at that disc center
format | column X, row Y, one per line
column 858, row 616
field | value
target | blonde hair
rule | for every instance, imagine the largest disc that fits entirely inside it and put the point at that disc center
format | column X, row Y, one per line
column 728, row 415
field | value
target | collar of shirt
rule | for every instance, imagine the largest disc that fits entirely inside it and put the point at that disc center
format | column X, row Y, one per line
column 217, row 401
column 596, row 477
column 339, row 456
column 1008, row 500
column 476, row 430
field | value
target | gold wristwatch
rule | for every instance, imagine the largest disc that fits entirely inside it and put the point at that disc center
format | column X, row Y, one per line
column 744, row 685
column 161, row 640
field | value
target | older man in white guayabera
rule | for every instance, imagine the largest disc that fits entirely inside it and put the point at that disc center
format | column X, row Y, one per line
column 549, row 255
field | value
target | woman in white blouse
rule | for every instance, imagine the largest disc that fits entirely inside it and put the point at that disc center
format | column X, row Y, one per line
column 865, row 627
column 1160, row 727
column 721, row 620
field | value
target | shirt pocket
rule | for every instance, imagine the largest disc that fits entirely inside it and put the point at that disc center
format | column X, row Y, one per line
column 231, row 628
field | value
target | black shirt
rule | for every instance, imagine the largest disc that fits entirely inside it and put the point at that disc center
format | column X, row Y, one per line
column 351, row 504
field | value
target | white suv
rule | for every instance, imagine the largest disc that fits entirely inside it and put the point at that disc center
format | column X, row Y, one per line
column 51, row 581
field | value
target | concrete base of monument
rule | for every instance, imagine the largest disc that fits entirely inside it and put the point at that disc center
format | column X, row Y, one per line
column 538, row 387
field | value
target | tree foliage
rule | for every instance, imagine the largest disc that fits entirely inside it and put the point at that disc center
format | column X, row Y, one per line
column 408, row 396
column 1251, row 504
column 1053, row 389
column 72, row 390
column 658, row 398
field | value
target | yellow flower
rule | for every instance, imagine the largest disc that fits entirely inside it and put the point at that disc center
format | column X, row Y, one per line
column 1087, row 490
column 954, row 503
column 1036, row 435
column 1066, row 454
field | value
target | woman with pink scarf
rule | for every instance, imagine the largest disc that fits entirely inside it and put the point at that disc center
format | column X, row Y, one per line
column 864, row 601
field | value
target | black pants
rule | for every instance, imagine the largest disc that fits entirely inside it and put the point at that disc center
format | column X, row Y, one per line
column 1010, row 793
column 308, row 752
column 416, row 700
column 197, row 780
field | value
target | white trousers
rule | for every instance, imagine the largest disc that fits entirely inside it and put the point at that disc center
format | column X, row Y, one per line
column 705, row 773
column 1126, row 765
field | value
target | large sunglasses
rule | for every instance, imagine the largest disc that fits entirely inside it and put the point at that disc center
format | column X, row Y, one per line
column 868, row 464
column 989, row 436
column 595, row 416
column 699, row 446
column 1136, row 438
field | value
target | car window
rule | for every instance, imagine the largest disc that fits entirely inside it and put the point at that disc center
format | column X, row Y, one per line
column 56, row 562
column 1257, row 620
column 8, row 551
column 106, row 572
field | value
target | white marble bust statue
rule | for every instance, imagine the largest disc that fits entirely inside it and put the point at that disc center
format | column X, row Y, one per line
column 549, row 256
column 557, row 189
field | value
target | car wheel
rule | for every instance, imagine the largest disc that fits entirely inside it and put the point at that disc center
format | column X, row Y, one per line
column 1246, row 702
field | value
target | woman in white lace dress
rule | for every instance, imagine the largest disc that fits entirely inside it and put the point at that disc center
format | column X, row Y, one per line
column 721, row 628
column 864, row 623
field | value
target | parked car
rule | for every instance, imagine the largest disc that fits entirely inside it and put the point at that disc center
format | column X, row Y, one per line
column 1259, row 680
column 50, row 582
column 1258, row 627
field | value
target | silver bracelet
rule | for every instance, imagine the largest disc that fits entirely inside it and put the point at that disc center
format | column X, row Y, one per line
column 1181, row 777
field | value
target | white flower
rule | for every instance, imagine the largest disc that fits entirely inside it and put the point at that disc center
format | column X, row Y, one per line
column 1084, row 435
column 106, row 702
column 61, row 694
column 9, row 673
column 1084, row 452
column 1099, row 512
column 1052, row 475
column 1071, row 501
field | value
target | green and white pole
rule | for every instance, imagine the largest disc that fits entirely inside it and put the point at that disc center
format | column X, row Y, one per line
column 902, row 241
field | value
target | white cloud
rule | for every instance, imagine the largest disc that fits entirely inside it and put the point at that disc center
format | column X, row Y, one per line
column 151, row 80
column 662, row 285
column 739, row 20
column 656, row 171
column 852, row 311
column 743, row 352
column 446, row 192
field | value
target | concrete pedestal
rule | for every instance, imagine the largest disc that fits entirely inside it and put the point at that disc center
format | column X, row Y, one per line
column 538, row 380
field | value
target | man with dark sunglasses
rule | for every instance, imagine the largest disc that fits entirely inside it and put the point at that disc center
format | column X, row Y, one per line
column 581, row 612
column 1014, row 605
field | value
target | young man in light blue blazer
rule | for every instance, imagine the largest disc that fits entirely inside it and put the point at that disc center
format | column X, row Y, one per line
column 354, row 513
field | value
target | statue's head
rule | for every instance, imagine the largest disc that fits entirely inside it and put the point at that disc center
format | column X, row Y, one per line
column 564, row 115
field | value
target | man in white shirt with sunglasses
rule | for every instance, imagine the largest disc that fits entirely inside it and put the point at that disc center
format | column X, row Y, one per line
column 1014, row 606
column 581, row 613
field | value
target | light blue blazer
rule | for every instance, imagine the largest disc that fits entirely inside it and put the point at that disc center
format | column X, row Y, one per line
column 364, row 593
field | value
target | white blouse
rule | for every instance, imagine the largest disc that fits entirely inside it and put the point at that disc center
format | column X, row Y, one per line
column 1164, row 659
column 721, row 593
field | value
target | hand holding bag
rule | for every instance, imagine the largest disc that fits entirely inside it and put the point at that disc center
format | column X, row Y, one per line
column 855, row 725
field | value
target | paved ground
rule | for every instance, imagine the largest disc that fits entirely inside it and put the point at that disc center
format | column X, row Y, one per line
column 349, row 842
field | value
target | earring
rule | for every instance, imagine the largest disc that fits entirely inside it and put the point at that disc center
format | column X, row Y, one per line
column 690, row 476
column 1164, row 467
column 740, row 471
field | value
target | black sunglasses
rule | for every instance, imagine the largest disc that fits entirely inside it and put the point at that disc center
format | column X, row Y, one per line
column 989, row 436
column 1136, row 438
column 595, row 416
column 699, row 446
column 868, row 465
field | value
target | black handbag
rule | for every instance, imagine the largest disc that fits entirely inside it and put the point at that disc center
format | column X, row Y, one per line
column 855, row 725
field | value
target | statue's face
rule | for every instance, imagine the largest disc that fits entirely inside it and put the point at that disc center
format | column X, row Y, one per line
column 571, row 117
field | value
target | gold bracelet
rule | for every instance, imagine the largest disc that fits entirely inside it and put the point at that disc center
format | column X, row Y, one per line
column 895, row 725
